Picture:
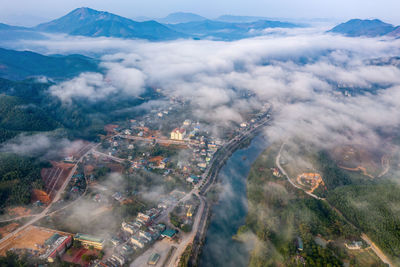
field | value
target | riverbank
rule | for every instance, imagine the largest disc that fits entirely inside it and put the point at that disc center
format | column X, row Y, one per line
column 229, row 213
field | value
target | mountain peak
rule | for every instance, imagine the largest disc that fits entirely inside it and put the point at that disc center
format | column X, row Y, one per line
column 181, row 17
column 366, row 27
column 85, row 21
column 84, row 12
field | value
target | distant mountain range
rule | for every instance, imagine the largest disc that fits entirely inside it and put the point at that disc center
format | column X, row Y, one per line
column 180, row 17
column 8, row 32
column 92, row 23
column 19, row 65
column 240, row 19
column 227, row 30
column 367, row 28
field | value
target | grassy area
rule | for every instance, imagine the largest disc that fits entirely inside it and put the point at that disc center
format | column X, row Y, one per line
column 365, row 257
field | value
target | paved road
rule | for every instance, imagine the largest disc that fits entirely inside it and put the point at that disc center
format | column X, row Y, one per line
column 158, row 140
column 187, row 239
column 108, row 156
column 374, row 247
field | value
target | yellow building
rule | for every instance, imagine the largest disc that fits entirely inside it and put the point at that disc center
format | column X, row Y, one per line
column 189, row 211
column 88, row 240
column 178, row 134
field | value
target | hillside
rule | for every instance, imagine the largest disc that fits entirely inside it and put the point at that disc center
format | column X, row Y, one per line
column 279, row 215
column 10, row 27
column 367, row 28
column 9, row 32
column 17, row 115
column 18, row 65
column 93, row 23
column 395, row 32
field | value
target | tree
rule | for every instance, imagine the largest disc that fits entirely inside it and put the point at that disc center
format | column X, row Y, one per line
column 12, row 260
column 76, row 244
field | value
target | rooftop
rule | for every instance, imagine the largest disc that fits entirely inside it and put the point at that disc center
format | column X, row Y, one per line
column 169, row 232
column 88, row 238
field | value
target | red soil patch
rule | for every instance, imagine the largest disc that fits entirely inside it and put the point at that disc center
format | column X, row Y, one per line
column 109, row 128
column 40, row 195
column 54, row 177
column 18, row 211
column 357, row 158
column 5, row 230
column 157, row 159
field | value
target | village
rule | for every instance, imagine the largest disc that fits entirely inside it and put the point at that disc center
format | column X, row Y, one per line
column 105, row 204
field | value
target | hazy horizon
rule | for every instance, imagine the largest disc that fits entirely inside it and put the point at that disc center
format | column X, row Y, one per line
column 44, row 10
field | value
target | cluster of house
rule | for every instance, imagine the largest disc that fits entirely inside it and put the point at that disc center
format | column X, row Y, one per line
column 78, row 185
column 204, row 150
column 142, row 230
column 158, row 162
column 139, row 233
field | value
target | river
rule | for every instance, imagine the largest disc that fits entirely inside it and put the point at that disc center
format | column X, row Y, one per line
column 230, row 212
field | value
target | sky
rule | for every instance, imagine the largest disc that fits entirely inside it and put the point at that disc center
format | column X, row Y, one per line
column 29, row 12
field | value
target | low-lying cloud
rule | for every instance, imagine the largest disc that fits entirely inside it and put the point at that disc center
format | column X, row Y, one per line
column 41, row 145
column 299, row 73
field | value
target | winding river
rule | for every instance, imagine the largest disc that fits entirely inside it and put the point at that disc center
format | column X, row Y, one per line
column 230, row 212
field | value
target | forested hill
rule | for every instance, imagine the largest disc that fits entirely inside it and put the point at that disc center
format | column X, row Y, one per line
column 18, row 115
column 18, row 176
column 19, row 65
column 29, row 107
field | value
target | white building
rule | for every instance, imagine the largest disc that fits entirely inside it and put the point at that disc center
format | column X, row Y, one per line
column 178, row 134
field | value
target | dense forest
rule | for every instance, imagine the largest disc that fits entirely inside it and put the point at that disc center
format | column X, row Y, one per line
column 17, row 115
column 18, row 176
column 332, row 174
column 375, row 209
column 279, row 215
column 370, row 204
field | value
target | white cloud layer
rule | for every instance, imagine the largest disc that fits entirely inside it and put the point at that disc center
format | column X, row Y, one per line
column 298, row 73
